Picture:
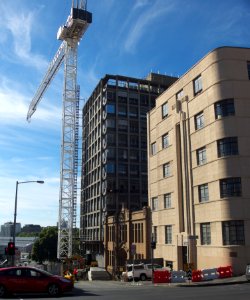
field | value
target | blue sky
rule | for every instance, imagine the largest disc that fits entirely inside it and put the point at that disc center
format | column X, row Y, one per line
column 127, row 37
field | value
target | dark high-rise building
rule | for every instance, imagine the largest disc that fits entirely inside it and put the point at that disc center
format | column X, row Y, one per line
column 114, row 155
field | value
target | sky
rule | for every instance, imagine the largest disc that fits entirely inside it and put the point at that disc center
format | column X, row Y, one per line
column 127, row 37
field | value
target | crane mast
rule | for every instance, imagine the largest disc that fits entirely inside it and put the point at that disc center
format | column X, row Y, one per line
column 70, row 34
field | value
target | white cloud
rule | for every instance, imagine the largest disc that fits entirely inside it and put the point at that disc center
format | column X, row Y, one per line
column 17, row 24
column 144, row 21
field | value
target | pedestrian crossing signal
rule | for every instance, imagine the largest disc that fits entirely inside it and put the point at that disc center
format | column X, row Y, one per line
column 11, row 248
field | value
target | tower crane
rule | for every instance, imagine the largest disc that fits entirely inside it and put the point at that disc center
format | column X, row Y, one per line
column 70, row 34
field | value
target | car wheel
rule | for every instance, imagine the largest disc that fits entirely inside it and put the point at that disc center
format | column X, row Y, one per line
column 143, row 277
column 2, row 291
column 53, row 290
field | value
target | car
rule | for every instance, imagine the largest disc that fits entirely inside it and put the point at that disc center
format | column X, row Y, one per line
column 14, row 280
column 141, row 271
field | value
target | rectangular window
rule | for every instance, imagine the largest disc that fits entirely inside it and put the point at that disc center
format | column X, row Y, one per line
column 167, row 200
column 134, row 141
column 164, row 110
column 122, row 125
column 153, row 148
column 122, row 110
column 205, row 234
column 224, row 108
column 180, row 95
column 110, row 108
column 154, row 203
column 227, row 146
column 165, row 140
column 199, row 120
column 166, row 170
column 168, row 234
column 201, row 156
column 197, row 85
column 230, row 187
column 203, row 192
column 233, row 233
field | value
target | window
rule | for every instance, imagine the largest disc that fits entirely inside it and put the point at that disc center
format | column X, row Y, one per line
column 133, row 112
column 233, row 233
column 164, row 110
column 123, row 154
column 248, row 69
column 224, row 108
column 134, row 170
column 167, row 200
column 227, row 146
column 134, row 141
column 203, row 192
column 205, row 234
column 201, row 156
column 199, row 120
column 168, row 234
column 230, row 187
column 134, row 155
column 153, row 148
column 123, row 169
column 122, row 140
column 110, row 168
column 122, row 110
column 197, row 85
column 110, row 108
column 122, row 125
column 165, row 140
column 154, row 203
column 180, row 95
column 166, row 170
column 111, row 123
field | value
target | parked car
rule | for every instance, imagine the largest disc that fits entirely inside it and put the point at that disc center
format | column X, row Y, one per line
column 140, row 271
column 32, row 280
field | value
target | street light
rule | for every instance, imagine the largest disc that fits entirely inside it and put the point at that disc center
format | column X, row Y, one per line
column 15, row 210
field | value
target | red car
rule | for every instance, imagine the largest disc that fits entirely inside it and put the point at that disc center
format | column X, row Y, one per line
column 32, row 280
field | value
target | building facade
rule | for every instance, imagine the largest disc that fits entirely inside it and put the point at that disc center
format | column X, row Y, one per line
column 114, row 155
column 127, row 237
column 7, row 229
column 199, row 158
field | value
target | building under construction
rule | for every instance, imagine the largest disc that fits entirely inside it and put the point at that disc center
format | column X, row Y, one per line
column 114, row 155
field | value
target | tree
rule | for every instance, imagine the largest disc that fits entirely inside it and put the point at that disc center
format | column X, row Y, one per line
column 45, row 247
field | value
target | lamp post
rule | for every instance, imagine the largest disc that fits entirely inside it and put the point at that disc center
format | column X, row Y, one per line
column 15, row 211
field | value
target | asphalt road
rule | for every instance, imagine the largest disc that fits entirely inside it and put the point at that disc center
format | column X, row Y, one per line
column 146, row 291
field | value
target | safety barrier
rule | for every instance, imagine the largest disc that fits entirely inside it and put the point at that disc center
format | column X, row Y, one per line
column 197, row 276
column 161, row 276
column 210, row 274
column 178, row 276
column 225, row 272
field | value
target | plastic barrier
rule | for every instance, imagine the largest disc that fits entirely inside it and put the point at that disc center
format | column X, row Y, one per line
column 161, row 276
column 225, row 272
column 196, row 276
column 210, row 274
column 178, row 276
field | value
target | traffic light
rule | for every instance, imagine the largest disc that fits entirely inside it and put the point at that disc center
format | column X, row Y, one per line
column 11, row 248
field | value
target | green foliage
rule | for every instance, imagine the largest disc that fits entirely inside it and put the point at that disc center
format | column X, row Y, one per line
column 45, row 247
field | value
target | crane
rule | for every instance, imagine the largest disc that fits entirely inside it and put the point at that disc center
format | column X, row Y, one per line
column 70, row 34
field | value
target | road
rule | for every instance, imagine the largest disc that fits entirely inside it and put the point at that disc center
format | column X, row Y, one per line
column 126, row 291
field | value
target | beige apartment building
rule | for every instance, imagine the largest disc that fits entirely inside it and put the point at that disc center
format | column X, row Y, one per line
column 199, row 164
